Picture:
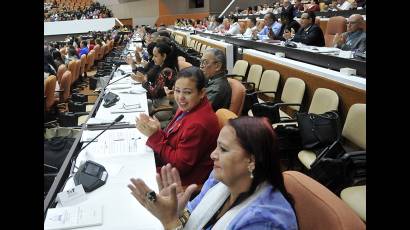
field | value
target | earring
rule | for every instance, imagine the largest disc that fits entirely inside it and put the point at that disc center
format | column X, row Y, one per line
column 250, row 169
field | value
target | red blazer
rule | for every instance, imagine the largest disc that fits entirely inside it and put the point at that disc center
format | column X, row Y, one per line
column 189, row 144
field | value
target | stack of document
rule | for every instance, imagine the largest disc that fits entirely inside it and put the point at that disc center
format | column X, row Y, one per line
column 73, row 217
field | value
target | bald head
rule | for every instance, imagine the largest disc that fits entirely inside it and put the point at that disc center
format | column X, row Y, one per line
column 357, row 17
column 355, row 22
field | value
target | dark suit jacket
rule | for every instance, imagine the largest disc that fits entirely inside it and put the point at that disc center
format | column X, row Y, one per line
column 313, row 36
column 293, row 24
column 219, row 92
column 189, row 144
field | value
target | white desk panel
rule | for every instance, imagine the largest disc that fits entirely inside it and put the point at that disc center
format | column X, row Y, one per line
column 79, row 26
column 354, row 81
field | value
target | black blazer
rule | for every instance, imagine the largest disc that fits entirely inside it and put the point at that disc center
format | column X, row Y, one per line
column 293, row 24
column 313, row 36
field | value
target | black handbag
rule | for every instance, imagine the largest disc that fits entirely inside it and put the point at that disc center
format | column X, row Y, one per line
column 336, row 169
column 327, row 166
column 251, row 98
column 267, row 109
column 318, row 130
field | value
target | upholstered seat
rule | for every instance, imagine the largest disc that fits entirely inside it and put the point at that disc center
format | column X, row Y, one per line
column 238, row 96
column 354, row 130
column 316, row 207
column 335, row 25
column 355, row 197
column 224, row 115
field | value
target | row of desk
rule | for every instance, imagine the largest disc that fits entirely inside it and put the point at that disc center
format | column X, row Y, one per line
column 316, row 69
column 122, row 151
column 312, row 57
column 328, row 14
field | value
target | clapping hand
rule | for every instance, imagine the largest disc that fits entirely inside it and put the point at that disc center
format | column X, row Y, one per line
column 339, row 39
column 169, row 92
column 139, row 77
column 168, row 205
column 147, row 125
column 170, row 176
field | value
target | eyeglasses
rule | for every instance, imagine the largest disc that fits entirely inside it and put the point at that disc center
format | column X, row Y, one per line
column 205, row 62
column 351, row 23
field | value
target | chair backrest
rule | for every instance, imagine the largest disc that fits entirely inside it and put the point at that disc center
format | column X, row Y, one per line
column 83, row 61
column 254, row 74
column 198, row 46
column 224, row 115
column 65, row 85
column 102, row 51
column 61, row 69
column 323, row 100
column 191, row 43
column 354, row 128
column 106, row 49
column 335, row 25
column 317, row 207
column 97, row 49
column 293, row 92
column 72, row 67
column 240, row 68
column 203, row 48
column 237, row 97
column 90, row 60
column 183, row 64
column 269, row 82
column 49, row 89
column 77, row 70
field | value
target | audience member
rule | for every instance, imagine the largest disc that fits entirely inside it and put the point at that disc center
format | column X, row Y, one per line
column 287, row 7
column 314, row 6
column 309, row 33
column 234, row 27
column 71, row 55
column 245, row 190
column 355, row 37
column 251, row 27
column 84, row 48
column 190, row 137
column 158, row 77
column 343, row 5
column 288, row 24
column 272, row 26
column 218, row 90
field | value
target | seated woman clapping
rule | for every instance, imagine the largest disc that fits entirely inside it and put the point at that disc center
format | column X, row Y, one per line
column 244, row 191
column 190, row 137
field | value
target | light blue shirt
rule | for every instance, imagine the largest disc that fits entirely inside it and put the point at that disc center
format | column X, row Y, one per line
column 275, row 28
column 268, row 211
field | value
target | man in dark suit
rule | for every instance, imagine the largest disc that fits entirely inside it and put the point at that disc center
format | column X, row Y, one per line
column 309, row 33
column 287, row 7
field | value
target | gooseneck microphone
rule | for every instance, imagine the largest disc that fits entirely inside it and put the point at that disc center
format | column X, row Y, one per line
column 128, row 74
column 119, row 118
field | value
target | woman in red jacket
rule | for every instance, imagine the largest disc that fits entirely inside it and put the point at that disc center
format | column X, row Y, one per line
column 190, row 137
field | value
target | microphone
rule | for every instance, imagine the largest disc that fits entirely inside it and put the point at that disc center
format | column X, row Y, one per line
column 119, row 118
column 129, row 74
column 121, row 71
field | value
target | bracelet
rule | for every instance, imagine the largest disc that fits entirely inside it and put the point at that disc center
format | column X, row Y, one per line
column 179, row 227
column 185, row 216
